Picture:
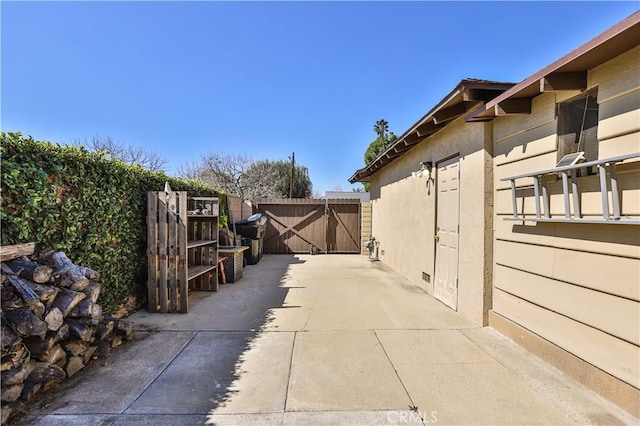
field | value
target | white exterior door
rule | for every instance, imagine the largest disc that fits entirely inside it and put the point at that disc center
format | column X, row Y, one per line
column 445, row 286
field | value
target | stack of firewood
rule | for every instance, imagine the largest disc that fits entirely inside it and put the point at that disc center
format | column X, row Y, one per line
column 52, row 325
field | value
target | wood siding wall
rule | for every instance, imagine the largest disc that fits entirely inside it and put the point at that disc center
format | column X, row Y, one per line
column 365, row 227
column 575, row 285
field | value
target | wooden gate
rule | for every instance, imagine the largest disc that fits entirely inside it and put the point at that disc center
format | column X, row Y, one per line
column 311, row 225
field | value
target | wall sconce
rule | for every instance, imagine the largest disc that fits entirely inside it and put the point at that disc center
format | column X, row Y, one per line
column 425, row 170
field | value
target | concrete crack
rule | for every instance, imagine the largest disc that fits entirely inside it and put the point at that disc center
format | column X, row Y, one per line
column 304, row 327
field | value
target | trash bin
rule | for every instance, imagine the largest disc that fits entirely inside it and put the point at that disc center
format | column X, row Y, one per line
column 252, row 230
column 252, row 227
column 253, row 255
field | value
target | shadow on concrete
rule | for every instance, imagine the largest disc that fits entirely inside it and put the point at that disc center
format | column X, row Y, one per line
column 226, row 324
column 263, row 296
column 179, row 367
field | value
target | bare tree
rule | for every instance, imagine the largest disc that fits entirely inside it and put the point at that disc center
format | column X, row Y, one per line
column 234, row 174
column 127, row 154
column 188, row 171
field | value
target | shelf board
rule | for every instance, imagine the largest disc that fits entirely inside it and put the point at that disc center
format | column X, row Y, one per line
column 197, row 270
column 200, row 243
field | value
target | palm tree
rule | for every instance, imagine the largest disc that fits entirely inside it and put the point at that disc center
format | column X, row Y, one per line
column 381, row 127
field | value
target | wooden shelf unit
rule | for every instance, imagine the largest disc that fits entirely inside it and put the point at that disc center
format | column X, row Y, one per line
column 202, row 248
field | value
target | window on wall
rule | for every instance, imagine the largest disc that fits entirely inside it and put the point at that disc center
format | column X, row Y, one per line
column 578, row 126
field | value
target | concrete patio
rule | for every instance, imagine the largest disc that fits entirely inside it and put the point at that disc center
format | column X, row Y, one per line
column 319, row 340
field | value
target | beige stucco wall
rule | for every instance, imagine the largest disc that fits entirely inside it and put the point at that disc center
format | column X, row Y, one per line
column 575, row 285
column 404, row 214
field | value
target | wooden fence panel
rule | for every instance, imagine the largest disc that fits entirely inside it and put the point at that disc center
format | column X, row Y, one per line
column 167, row 286
column 343, row 228
column 310, row 225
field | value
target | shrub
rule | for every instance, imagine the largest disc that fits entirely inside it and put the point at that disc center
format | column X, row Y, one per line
column 91, row 207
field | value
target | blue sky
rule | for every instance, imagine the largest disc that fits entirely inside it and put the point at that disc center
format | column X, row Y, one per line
column 266, row 79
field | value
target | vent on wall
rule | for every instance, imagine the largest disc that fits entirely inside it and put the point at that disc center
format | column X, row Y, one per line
column 426, row 277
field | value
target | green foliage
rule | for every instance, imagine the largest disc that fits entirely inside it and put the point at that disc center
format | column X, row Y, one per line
column 85, row 204
column 302, row 186
column 378, row 146
column 279, row 181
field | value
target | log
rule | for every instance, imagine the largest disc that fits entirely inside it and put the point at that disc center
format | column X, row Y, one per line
column 39, row 348
column 30, row 390
column 88, row 354
column 122, row 327
column 14, row 357
column 12, row 303
column 74, row 364
column 25, row 292
column 51, row 384
column 116, row 341
column 30, row 270
column 6, row 291
column 87, row 309
column 46, row 293
column 76, row 347
column 54, row 319
column 11, row 393
column 44, row 371
column 93, row 291
column 104, row 329
column 103, row 348
column 7, row 411
column 62, row 333
column 70, row 274
column 66, row 300
column 9, row 337
column 14, row 251
column 80, row 285
column 26, row 323
column 80, row 329
column 17, row 374
column 55, row 355
column 38, row 309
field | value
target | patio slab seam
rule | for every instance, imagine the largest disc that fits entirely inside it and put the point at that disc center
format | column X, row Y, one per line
column 160, row 372
column 293, row 348
column 413, row 404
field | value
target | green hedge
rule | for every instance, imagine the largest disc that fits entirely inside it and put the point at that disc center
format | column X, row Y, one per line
column 91, row 207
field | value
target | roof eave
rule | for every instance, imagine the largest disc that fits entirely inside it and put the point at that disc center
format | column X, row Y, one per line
column 567, row 73
column 458, row 102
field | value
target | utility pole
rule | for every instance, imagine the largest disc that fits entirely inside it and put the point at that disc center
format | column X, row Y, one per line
column 293, row 167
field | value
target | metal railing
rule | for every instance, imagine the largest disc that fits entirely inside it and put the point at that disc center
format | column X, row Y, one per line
column 543, row 214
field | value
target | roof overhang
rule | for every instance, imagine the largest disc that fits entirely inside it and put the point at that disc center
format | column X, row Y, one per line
column 464, row 98
column 567, row 73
